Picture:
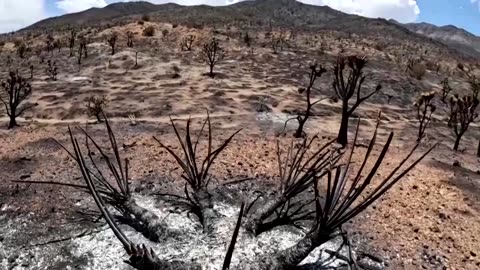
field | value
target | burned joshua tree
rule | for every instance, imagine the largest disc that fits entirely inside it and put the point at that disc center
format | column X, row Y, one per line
column 130, row 36
column 112, row 41
column 316, row 72
column 212, row 53
column 15, row 90
column 52, row 70
column 425, row 109
column 446, row 90
column 462, row 114
column 71, row 41
column 82, row 50
column 472, row 80
column 346, row 86
column 187, row 42
column 95, row 106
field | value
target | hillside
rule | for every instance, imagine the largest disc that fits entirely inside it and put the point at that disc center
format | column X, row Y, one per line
column 266, row 13
column 453, row 36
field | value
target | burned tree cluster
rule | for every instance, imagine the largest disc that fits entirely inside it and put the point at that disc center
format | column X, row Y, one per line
column 338, row 195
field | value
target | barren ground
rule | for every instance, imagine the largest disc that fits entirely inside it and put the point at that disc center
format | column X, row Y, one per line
column 430, row 220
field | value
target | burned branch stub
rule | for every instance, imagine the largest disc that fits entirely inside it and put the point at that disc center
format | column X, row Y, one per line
column 95, row 106
column 446, row 90
column 212, row 53
column 346, row 86
column 462, row 114
column 425, row 109
column 112, row 41
column 15, row 90
column 52, row 70
column 316, row 72
column 187, row 42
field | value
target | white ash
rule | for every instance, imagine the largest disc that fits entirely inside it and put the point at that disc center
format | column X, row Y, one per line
column 207, row 250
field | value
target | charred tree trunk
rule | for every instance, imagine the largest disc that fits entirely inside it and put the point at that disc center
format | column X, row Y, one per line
column 255, row 221
column 13, row 122
column 205, row 210
column 343, row 131
column 478, row 149
column 301, row 124
column 457, row 142
column 152, row 223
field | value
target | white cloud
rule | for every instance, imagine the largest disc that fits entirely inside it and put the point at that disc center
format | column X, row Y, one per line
column 70, row 6
column 15, row 14
column 476, row 2
column 401, row 10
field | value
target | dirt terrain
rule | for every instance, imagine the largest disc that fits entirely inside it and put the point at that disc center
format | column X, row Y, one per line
column 429, row 220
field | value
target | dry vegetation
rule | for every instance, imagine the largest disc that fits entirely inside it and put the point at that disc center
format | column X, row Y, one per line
column 279, row 194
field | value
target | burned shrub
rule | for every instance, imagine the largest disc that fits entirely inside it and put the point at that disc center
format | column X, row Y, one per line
column 95, row 106
column 338, row 195
column 52, row 70
column 149, row 31
column 415, row 68
column 212, row 53
column 187, row 42
column 15, row 90
column 462, row 114
column 425, row 109
column 346, row 87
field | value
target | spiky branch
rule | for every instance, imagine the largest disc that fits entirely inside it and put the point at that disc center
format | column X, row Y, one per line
column 196, row 172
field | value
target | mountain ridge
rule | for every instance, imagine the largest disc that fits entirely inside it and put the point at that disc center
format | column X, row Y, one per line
column 288, row 13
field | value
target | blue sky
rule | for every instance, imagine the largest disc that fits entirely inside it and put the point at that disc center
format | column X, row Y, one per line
column 461, row 13
column 15, row 14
